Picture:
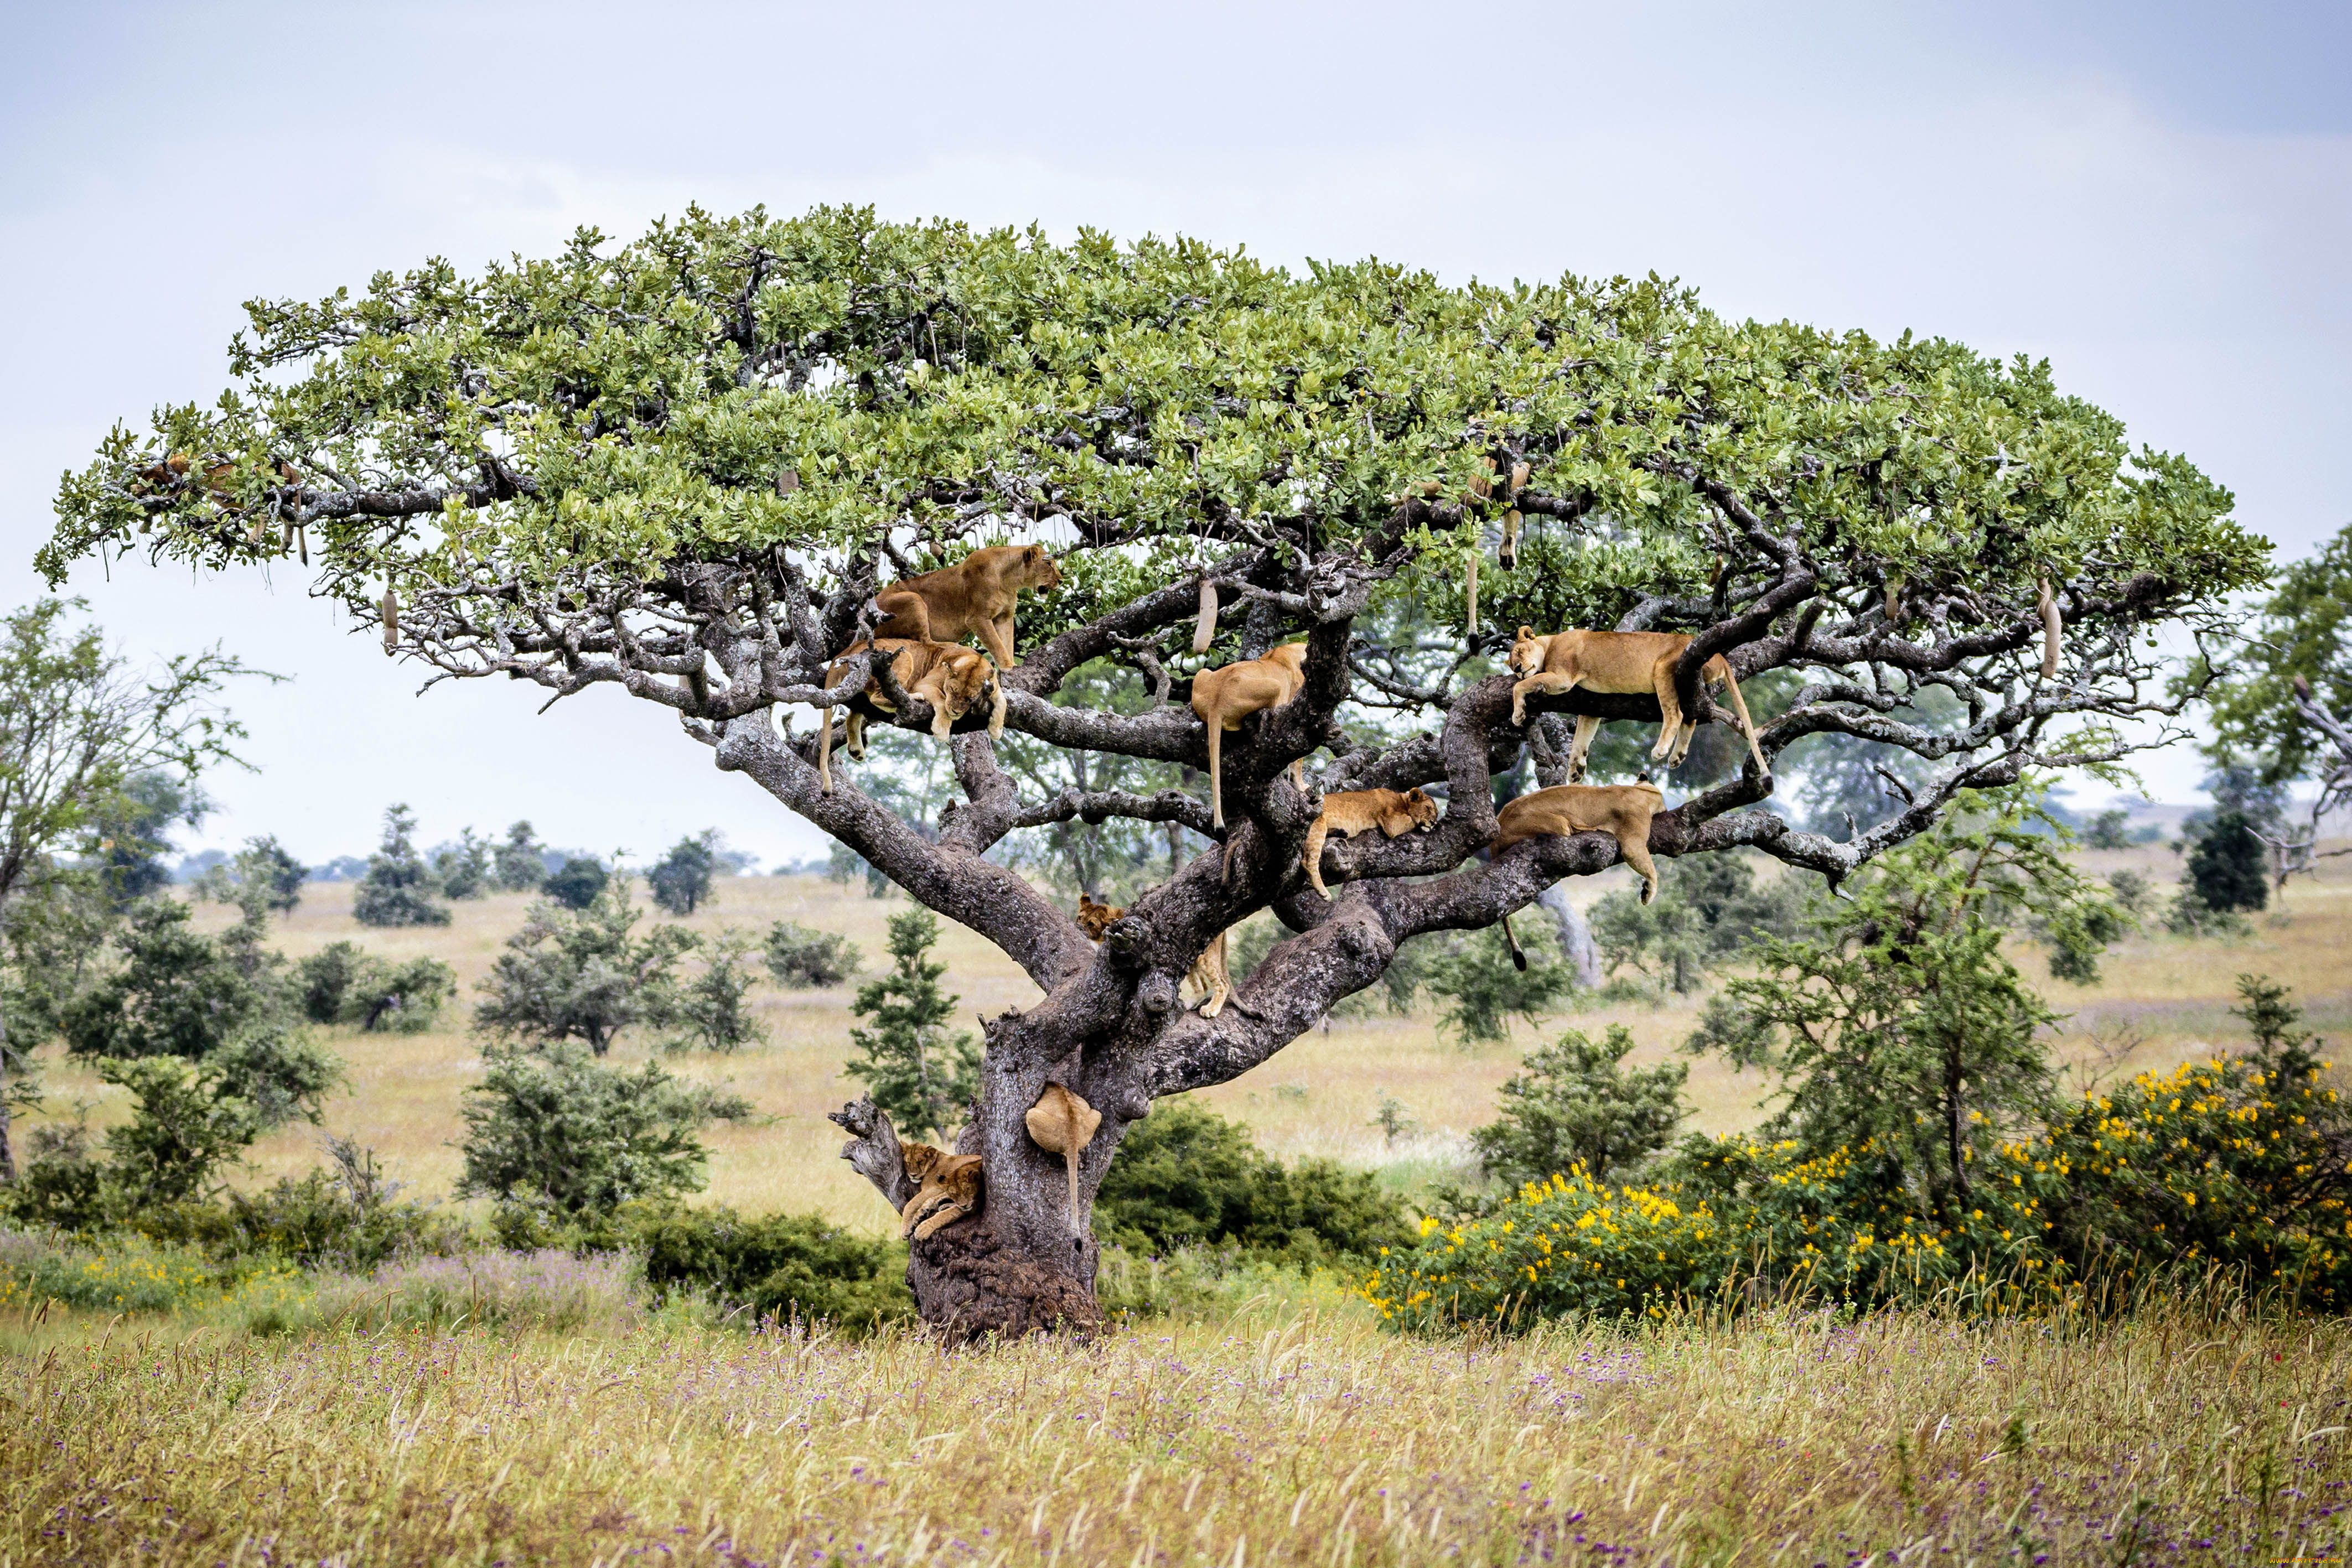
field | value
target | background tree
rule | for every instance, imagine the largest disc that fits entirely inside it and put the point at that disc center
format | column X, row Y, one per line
column 2284, row 697
column 520, row 860
column 922, row 1076
column 261, row 872
column 800, row 958
column 577, row 884
column 132, row 854
column 1480, row 988
column 77, row 729
column 398, row 889
column 1699, row 920
column 580, row 974
column 463, row 869
column 679, row 466
column 1575, row 1103
column 709, row 1008
column 680, row 881
column 1902, row 1035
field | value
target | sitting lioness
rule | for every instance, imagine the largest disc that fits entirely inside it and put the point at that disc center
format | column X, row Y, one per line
column 1623, row 810
column 947, row 675
column 1394, row 812
column 1225, row 696
column 1209, row 976
column 1629, row 663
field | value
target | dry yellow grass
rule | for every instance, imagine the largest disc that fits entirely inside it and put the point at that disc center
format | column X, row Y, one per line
column 1319, row 1096
column 1290, row 1432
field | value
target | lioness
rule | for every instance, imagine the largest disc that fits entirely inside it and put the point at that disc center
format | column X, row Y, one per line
column 947, row 675
column 1223, row 697
column 1209, row 976
column 1623, row 810
column 1624, row 661
column 1394, row 812
column 973, row 598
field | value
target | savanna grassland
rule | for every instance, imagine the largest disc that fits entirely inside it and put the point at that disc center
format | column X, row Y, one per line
column 543, row 1411
column 2160, row 1000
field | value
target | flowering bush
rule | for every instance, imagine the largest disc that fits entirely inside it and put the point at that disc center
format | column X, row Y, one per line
column 2238, row 1163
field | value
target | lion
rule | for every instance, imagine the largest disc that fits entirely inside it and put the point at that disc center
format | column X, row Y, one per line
column 1062, row 1123
column 947, row 1187
column 1394, row 812
column 1623, row 810
column 1223, row 697
column 1210, row 975
column 947, row 675
column 973, row 598
column 1622, row 662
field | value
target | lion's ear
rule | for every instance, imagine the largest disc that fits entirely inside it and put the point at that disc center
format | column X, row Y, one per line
column 1526, row 633
column 1036, row 552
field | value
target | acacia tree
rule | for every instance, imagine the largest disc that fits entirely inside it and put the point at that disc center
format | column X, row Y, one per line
column 679, row 466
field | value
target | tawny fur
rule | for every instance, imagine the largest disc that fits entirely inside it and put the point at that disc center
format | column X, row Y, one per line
column 1394, row 812
column 1063, row 1123
column 1210, row 975
column 1620, row 810
column 2046, row 602
column 947, row 1187
column 1629, row 663
column 1223, row 697
column 973, row 598
column 947, row 675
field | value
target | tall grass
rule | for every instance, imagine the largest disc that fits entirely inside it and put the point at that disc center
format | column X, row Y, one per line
column 1290, row 1431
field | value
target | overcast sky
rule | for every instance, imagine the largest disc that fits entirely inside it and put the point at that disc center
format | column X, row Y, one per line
column 2157, row 197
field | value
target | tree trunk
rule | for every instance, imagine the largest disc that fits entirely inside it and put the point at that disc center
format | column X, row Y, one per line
column 1576, row 943
column 1021, row 1263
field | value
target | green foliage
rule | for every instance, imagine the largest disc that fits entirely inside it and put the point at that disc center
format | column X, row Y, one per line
column 921, row 1075
column 2276, row 1023
column 341, row 984
column 1115, row 858
column 1185, row 1177
column 2306, row 631
column 520, row 863
column 554, row 1129
column 279, row 1069
column 398, row 889
column 2110, row 830
column 137, row 833
column 579, row 975
column 463, row 870
column 577, row 883
column 1896, row 1024
column 173, row 991
column 800, row 958
column 185, row 1124
column 1241, row 390
column 262, row 876
column 680, row 879
column 1574, row 1105
column 1708, row 908
column 2228, row 865
column 781, row 1268
column 708, row 1010
column 1482, row 990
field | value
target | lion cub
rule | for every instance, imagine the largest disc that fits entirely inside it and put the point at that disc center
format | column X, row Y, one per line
column 1360, row 811
column 1635, row 663
column 947, row 1187
column 1209, row 976
column 973, row 598
column 947, row 675
column 1223, row 697
column 1623, row 810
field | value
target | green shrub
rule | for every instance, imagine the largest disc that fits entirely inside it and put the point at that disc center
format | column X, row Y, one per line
column 577, row 883
column 800, row 958
column 555, row 1129
column 1473, row 975
column 580, row 974
column 680, row 879
column 1574, row 1105
column 783, row 1267
column 1185, row 1177
column 2228, row 865
column 921, row 1074
column 398, row 889
column 123, row 1274
column 174, row 992
column 708, row 1010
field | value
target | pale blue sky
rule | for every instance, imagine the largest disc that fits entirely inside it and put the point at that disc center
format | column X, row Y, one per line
column 2158, row 197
